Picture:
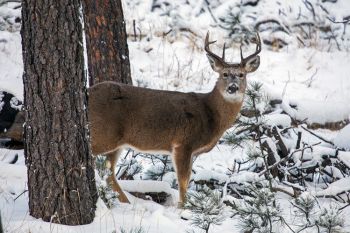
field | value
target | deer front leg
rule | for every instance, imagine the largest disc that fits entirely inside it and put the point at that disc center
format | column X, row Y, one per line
column 183, row 166
column 112, row 159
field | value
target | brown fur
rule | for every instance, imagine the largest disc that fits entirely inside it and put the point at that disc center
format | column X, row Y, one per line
column 156, row 120
column 181, row 124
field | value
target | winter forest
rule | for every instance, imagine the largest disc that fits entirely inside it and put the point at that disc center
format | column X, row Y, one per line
column 160, row 116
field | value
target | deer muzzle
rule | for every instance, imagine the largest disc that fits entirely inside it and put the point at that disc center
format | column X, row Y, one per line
column 232, row 88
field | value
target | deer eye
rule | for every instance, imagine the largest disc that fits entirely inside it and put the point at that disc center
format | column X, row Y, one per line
column 225, row 75
column 240, row 75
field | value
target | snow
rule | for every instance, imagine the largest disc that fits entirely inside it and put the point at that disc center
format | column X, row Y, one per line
column 245, row 176
column 11, row 64
column 145, row 186
column 205, row 175
column 288, row 76
column 342, row 140
column 335, row 188
column 150, row 216
column 278, row 120
column 344, row 157
column 334, row 172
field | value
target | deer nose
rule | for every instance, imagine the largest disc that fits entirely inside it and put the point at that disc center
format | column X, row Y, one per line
column 232, row 88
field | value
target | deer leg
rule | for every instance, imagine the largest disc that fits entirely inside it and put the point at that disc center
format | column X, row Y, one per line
column 112, row 159
column 183, row 166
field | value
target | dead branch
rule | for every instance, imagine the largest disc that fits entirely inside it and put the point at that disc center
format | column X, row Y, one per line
column 318, row 136
column 280, row 142
column 287, row 157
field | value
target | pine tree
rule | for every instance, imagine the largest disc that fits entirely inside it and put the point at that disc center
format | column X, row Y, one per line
column 128, row 168
column 61, row 177
column 305, row 209
column 330, row 219
column 161, row 165
column 207, row 208
column 108, row 61
column 258, row 213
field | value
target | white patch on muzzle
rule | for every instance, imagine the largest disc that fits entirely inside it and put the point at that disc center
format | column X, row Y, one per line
column 236, row 97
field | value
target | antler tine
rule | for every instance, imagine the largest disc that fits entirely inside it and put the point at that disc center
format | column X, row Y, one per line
column 257, row 50
column 207, row 49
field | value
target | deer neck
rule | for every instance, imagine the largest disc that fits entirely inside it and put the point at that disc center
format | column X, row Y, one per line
column 225, row 108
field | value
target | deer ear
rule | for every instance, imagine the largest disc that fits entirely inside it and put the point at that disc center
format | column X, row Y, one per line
column 216, row 64
column 252, row 64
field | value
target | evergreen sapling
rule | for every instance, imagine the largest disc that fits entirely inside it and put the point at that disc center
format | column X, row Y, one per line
column 207, row 208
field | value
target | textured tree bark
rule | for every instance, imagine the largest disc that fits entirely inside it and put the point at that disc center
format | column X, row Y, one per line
column 61, row 179
column 106, row 41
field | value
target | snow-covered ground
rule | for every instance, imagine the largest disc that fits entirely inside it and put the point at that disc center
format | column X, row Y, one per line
column 316, row 79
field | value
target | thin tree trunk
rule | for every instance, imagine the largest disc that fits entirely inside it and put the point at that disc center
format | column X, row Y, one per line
column 106, row 41
column 61, row 179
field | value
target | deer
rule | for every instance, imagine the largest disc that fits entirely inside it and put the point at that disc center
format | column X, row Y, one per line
column 181, row 125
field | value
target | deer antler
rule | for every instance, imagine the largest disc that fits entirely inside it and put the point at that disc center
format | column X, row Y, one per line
column 207, row 49
column 257, row 41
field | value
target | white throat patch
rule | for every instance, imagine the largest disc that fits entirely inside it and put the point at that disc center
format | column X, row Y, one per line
column 236, row 97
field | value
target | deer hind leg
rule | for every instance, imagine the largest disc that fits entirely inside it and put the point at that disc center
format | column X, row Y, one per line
column 183, row 166
column 112, row 159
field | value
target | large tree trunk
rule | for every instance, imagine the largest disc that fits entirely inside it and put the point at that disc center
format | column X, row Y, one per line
column 107, row 49
column 61, row 180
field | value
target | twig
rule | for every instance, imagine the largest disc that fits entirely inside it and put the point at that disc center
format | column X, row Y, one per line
column 324, row 9
column 333, row 21
column 318, row 136
column 310, row 7
column 280, row 141
column 276, row 189
column 126, row 155
column 300, row 40
column 282, row 27
column 341, row 208
column 166, row 33
column 134, row 26
column 183, row 29
column 311, row 78
column 334, row 37
column 3, row 2
column 210, row 12
column 20, row 194
column 286, row 158
column 285, row 86
column 164, row 168
column 140, row 37
column 299, row 140
column 14, row 160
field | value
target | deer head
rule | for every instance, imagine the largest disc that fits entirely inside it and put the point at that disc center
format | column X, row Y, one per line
column 232, row 76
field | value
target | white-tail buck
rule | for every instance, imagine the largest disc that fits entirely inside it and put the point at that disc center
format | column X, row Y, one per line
column 178, row 124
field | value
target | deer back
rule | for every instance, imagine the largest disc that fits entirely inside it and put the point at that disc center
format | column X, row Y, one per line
column 152, row 120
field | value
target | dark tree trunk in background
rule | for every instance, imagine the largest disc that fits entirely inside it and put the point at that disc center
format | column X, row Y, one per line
column 107, row 48
column 61, row 180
